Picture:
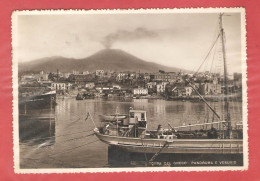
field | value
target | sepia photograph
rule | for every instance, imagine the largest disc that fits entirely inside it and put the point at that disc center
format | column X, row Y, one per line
column 120, row 90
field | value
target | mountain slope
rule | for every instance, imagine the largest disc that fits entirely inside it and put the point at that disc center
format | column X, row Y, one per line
column 107, row 59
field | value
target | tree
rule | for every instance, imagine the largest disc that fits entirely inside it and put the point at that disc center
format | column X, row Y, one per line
column 51, row 76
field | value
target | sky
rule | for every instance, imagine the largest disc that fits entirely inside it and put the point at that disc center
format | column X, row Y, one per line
column 171, row 39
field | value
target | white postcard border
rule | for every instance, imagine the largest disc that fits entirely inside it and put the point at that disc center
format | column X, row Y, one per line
column 16, row 150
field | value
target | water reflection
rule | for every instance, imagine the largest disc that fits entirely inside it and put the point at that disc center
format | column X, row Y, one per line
column 73, row 145
column 37, row 127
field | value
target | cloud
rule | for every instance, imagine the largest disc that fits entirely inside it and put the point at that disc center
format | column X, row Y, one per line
column 123, row 35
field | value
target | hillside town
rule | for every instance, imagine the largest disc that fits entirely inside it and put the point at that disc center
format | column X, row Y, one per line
column 158, row 85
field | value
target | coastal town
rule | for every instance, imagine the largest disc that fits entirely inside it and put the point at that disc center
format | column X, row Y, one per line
column 157, row 85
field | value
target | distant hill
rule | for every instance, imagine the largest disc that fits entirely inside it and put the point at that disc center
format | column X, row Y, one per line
column 107, row 59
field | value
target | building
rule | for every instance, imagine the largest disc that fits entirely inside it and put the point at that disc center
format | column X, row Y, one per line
column 187, row 91
column 75, row 72
column 238, row 81
column 151, row 85
column 140, row 91
column 43, row 76
column 161, row 87
column 61, row 86
column 100, row 73
column 237, row 76
column 117, row 87
column 231, row 89
column 120, row 77
column 210, row 89
column 90, row 85
column 65, row 75
column 164, row 77
column 34, row 78
column 146, row 77
column 85, row 72
column 81, row 79
column 29, row 78
column 182, row 91
column 104, row 89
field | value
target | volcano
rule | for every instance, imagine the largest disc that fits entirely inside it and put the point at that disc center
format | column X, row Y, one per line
column 106, row 59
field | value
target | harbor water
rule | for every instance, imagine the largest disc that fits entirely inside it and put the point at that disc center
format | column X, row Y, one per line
column 62, row 137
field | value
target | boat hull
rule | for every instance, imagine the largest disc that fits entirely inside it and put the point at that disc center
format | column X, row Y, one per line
column 139, row 145
column 118, row 157
column 43, row 101
column 112, row 117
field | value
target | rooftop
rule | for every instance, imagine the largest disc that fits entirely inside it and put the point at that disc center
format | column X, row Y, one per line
column 133, row 110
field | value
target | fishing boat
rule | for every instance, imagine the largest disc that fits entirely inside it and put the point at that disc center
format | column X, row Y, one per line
column 131, row 133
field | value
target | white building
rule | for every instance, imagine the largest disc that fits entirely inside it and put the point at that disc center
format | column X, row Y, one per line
column 60, row 86
column 101, row 89
column 75, row 72
column 188, row 91
column 27, row 77
column 85, row 72
column 146, row 77
column 120, row 76
column 100, row 72
column 161, row 87
column 151, row 85
column 140, row 91
column 66, row 75
column 165, row 83
column 43, row 76
column 116, row 87
column 90, row 85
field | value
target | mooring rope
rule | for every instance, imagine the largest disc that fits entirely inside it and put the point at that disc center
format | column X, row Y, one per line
column 69, row 150
column 55, row 136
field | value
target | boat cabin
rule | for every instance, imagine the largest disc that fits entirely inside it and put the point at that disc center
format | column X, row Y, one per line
column 133, row 125
column 137, row 123
column 137, row 117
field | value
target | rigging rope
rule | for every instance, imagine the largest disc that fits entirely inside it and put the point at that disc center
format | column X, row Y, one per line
column 208, row 53
column 213, row 58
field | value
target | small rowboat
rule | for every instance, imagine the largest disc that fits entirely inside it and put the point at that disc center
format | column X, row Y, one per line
column 113, row 117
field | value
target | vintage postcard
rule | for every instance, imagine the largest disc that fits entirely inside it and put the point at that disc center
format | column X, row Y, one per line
column 129, row 90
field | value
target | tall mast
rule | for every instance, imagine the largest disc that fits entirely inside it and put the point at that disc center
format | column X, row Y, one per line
column 222, row 35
